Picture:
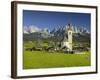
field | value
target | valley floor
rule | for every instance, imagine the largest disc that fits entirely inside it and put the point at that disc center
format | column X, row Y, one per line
column 43, row 59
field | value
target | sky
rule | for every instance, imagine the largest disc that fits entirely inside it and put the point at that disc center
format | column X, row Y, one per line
column 51, row 20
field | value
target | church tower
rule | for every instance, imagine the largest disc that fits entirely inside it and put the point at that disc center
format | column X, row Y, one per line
column 67, row 38
column 69, row 31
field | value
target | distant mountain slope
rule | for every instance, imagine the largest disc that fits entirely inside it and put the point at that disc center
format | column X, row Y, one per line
column 55, row 35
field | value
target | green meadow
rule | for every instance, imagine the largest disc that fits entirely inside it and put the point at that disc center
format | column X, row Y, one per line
column 44, row 59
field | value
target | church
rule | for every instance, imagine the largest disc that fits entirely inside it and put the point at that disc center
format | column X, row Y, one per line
column 67, row 38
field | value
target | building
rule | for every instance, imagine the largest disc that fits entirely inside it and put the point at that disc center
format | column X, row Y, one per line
column 67, row 38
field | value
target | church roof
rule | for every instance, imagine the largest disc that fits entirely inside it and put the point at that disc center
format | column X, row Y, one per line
column 65, row 37
column 69, row 27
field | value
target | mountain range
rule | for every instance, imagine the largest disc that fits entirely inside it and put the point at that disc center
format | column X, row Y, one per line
column 35, row 33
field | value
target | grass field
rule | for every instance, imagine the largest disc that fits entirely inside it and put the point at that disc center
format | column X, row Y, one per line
column 42, row 59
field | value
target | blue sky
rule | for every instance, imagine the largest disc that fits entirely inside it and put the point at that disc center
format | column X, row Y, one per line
column 50, row 20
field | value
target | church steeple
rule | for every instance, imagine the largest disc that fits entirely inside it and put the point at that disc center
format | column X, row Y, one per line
column 67, row 37
column 70, row 36
column 69, row 26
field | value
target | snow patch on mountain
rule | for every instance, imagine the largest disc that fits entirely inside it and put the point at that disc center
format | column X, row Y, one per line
column 31, row 29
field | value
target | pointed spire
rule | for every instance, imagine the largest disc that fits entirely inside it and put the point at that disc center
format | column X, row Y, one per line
column 69, row 26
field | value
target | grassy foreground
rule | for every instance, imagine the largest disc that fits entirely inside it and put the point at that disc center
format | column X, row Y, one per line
column 42, row 59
